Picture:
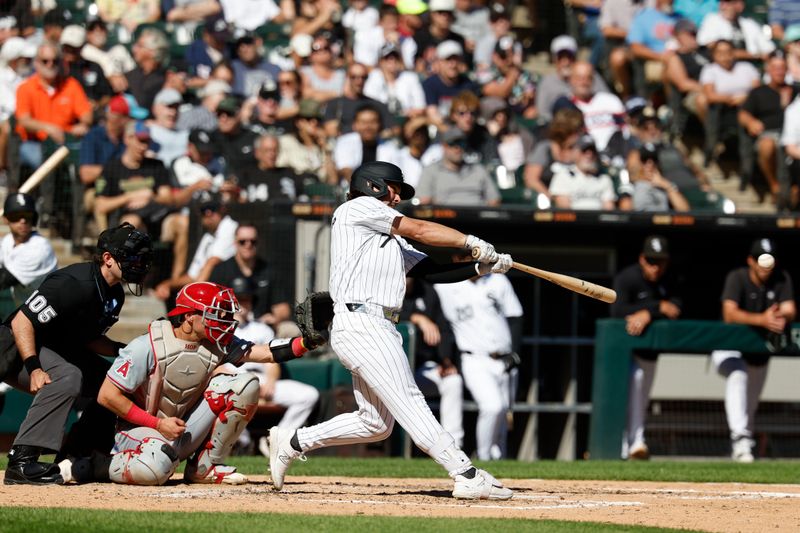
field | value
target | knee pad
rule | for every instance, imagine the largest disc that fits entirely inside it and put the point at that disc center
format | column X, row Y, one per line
column 234, row 400
column 152, row 463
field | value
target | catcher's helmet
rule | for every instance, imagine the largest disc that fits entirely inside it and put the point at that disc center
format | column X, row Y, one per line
column 371, row 179
column 131, row 248
column 217, row 305
column 21, row 203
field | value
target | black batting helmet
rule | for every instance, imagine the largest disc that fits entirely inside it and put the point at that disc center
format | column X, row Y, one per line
column 371, row 179
column 21, row 203
column 131, row 248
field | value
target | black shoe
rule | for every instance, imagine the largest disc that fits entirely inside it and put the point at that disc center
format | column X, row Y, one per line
column 25, row 469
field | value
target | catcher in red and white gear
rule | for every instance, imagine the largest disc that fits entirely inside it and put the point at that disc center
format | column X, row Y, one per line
column 170, row 408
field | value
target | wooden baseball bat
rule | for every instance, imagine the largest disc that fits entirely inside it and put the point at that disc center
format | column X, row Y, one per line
column 43, row 171
column 586, row 288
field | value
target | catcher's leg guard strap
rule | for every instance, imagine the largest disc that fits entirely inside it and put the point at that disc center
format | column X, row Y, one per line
column 152, row 463
column 234, row 400
column 445, row 452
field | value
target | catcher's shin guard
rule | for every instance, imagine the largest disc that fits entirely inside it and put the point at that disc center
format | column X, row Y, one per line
column 152, row 463
column 234, row 400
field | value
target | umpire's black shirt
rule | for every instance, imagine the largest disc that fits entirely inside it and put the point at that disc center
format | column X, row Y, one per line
column 73, row 306
column 635, row 293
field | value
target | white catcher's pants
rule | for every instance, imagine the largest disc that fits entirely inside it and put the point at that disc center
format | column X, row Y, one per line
column 743, row 386
column 490, row 386
column 450, row 390
column 385, row 390
column 643, row 372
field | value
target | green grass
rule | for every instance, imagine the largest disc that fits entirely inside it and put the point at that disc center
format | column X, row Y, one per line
column 25, row 520
column 688, row 471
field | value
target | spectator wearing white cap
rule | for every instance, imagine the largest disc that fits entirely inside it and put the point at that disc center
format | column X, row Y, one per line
column 399, row 89
column 563, row 51
column 204, row 115
column 368, row 42
column 426, row 40
column 442, row 87
column 88, row 73
column 172, row 142
column 15, row 66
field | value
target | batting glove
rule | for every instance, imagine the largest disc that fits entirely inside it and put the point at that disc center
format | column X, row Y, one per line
column 487, row 253
column 501, row 266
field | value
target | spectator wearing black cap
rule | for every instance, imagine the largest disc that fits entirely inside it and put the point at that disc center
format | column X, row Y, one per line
column 579, row 186
column 26, row 257
column 340, row 112
column 250, row 70
column 54, row 22
column 369, row 42
column 150, row 54
column 234, row 142
column 265, row 180
column 198, row 170
column 645, row 293
column 203, row 116
column 308, row 150
column 449, row 81
column 453, row 181
column 499, row 26
column 264, row 112
column 682, row 70
column 507, row 80
column 759, row 295
column 215, row 246
column 762, row 114
column 210, row 49
column 400, row 90
column 88, row 73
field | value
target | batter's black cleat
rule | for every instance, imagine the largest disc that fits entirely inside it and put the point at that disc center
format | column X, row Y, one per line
column 25, row 469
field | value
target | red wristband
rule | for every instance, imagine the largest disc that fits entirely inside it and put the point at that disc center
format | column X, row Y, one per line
column 298, row 348
column 139, row 417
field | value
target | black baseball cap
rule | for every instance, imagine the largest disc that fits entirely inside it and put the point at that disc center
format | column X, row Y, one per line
column 762, row 246
column 242, row 287
column 655, row 247
column 201, row 139
column 229, row 104
column 269, row 90
column 586, row 142
column 208, row 201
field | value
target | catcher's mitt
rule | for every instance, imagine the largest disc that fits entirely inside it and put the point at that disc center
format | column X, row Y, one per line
column 314, row 316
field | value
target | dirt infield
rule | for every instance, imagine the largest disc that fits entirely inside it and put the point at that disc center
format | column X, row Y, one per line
column 706, row 506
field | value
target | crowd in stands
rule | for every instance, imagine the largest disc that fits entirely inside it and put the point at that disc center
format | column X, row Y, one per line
column 256, row 100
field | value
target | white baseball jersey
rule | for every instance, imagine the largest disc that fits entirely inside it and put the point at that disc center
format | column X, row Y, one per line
column 600, row 114
column 220, row 244
column 29, row 261
column 477, row 311
column 368, row 263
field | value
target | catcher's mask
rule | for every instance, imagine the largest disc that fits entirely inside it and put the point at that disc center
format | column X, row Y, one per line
column 371, row 179
column 132, row 249
column 217, row 305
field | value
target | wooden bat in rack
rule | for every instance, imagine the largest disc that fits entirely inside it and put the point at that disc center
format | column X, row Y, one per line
column 55, row 159
column 586, row 288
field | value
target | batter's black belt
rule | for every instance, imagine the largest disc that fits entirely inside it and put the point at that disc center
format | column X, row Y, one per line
column 493, row 355
column 390, row 314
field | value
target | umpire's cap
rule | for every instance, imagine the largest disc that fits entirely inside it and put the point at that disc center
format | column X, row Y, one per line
column 132, row 249
column 371, row 179
column 21, row 203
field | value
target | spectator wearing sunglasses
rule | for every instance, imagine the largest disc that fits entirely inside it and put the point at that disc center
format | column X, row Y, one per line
column 644, row 293
column 453, row 181
column 479, row 145
column 270, row 303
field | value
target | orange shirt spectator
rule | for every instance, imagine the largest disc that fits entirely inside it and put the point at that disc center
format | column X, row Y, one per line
column 62, row 105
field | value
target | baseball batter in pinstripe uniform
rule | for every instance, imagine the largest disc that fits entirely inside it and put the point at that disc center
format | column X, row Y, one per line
column 369, row 262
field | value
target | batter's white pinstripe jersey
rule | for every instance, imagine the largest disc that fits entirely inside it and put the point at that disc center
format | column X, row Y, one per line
column 477, row 312
column 368, row 263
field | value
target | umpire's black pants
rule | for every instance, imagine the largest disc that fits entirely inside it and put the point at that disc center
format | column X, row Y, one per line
column 76, row 376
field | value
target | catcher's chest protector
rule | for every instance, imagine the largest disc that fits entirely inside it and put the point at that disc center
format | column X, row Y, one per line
column 181, row 374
